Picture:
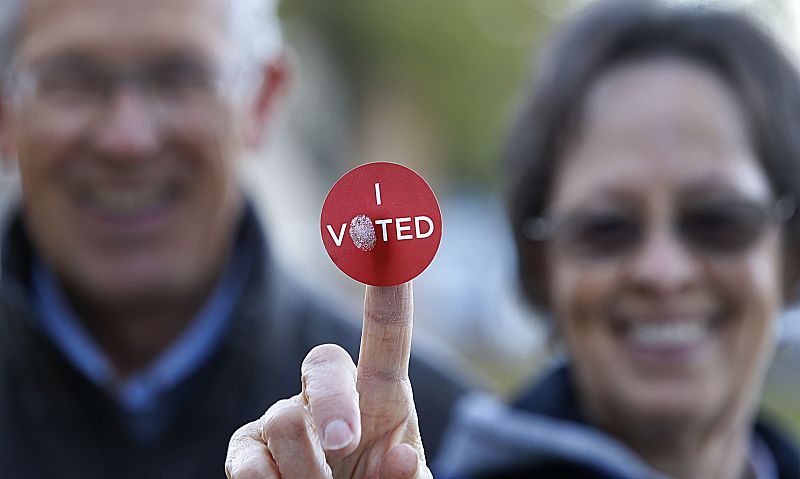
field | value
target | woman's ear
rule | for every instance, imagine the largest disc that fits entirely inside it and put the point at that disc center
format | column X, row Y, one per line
column 791, row 264
column 791, row 287
column 535, row 273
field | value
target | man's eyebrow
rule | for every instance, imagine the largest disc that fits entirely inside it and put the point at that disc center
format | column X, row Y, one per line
column 80, row 57
column 180, row 55
column 182, row 60
column 68, row 59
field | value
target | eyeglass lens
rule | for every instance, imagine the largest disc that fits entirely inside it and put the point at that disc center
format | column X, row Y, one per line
column 714, row 228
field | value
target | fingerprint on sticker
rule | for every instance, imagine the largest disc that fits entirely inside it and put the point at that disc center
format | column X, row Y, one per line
column 362, row 232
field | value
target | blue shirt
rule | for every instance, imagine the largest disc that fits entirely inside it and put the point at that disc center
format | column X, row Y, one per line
column 144, row 395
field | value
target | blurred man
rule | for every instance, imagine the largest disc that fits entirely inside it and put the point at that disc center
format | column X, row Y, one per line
column 141, row 318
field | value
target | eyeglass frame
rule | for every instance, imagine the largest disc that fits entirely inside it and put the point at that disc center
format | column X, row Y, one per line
column 19, row 80
column 542, row 229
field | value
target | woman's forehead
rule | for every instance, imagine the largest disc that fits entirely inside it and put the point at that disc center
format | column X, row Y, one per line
column 660, row 124
column 667, row 101
column 639, row 177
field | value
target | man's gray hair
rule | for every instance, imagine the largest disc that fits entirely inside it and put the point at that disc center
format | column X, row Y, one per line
column 256, row 28
column 254, row 24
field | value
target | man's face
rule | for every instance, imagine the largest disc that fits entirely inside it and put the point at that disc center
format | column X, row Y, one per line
column 126, row 132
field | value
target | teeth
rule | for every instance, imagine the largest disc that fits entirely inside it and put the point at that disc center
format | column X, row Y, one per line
column 130, row 201
column 669, row 333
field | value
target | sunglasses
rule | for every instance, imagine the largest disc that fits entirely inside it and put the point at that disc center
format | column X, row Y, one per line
column 720, row 228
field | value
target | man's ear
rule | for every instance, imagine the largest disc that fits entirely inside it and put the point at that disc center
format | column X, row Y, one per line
column 272, row 83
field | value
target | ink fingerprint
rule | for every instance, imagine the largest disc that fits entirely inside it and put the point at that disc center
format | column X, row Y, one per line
column 362, row 232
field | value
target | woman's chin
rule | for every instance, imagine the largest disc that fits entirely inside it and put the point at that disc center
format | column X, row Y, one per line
column 669, row 403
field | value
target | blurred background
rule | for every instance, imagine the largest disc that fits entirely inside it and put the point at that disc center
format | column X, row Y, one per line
column 432, row 85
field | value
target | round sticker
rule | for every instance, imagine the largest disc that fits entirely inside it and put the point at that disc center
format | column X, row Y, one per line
column 381, row 224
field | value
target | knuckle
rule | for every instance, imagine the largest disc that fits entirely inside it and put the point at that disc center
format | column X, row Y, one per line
column 245, row 431
column 286, row 424
column 374, row 375
column 389, row 317
column 247, row 468
column 237, row 444
column 335, row 403
column 245, row 458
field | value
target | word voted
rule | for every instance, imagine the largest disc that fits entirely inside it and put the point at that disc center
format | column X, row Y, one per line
column 402, row 226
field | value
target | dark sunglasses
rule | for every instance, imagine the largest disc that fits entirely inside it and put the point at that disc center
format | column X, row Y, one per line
column 715, row 228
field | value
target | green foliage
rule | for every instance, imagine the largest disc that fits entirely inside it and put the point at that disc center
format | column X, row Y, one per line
column 782, row 404
column 464, row 61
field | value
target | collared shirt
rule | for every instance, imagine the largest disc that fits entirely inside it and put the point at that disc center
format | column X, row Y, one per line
column 144, row 395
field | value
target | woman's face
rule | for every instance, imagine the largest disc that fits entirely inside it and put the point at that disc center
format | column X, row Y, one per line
column 663, row 276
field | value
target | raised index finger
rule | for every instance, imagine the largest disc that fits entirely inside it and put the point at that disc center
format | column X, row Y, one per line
column 386, row 336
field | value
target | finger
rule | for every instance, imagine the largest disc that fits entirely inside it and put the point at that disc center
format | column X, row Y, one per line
column 403, row 462
column 292, row 441
column 382, row 381
column 329, row 386
column 248, row 456
column 386, row 337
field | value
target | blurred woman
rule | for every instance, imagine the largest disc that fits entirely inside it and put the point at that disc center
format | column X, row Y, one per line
column 654, row 174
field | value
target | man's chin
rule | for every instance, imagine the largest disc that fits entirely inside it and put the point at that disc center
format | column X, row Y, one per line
column 126, row 292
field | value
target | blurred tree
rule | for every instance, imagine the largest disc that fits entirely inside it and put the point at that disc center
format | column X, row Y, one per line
column 463, row 61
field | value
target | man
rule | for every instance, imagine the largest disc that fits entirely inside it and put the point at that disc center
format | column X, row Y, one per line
column 141, row 318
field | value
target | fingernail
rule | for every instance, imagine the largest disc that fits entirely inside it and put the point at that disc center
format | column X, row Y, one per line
column 337, row 435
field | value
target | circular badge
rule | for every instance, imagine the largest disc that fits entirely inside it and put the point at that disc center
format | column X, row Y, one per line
column 381, row 224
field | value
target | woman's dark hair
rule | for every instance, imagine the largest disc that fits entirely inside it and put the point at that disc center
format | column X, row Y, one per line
column 614, row 32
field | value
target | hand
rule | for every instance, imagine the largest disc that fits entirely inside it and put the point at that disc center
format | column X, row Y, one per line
column 348, row 421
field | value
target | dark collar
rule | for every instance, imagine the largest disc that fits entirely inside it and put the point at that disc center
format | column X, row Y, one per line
column 16, row 250
column 555, row 396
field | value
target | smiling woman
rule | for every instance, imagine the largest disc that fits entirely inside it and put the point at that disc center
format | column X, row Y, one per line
column 654, row 175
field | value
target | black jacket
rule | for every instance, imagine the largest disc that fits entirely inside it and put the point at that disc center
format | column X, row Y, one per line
column 54, row 423
column 544, row 435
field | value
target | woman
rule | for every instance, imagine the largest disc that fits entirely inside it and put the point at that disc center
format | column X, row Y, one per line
column 655, row 170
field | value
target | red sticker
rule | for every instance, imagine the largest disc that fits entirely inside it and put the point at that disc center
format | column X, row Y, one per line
column 381, row 224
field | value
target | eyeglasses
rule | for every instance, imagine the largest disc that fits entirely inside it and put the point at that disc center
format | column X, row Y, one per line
column 715, row 228
column 81, row 87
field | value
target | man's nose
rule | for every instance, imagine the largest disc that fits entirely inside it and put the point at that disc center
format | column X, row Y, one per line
column 129, row 128
column 663, row 265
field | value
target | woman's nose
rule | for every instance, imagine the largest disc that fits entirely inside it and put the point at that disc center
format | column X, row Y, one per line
column 663, row 265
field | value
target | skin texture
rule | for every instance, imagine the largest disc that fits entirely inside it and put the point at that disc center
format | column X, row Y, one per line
column 372, row 402
column 135, row 280
column 656, row 134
